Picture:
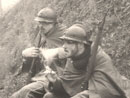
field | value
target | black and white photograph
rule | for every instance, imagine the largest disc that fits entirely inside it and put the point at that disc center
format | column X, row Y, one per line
column 64, row 48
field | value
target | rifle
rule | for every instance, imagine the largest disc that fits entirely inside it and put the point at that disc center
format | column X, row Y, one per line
column 95, row 47
column 34, row 59
column 91, row 66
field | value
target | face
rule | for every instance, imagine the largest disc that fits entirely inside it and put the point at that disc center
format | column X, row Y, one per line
column 46, row 27
column 70, row 48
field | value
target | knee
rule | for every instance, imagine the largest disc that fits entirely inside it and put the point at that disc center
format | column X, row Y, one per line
column 22, row 92
column 49, row 95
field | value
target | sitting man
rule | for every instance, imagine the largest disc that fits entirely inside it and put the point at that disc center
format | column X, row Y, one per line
column 49, row 34
column 105, row 81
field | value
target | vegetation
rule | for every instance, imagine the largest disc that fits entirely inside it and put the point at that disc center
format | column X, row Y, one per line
column 18, row 27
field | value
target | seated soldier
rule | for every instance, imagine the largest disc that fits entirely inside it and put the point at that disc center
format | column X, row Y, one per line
column 50, row 31
column 105, row 80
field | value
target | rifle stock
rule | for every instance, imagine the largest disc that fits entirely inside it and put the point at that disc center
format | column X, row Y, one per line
column 34, row 59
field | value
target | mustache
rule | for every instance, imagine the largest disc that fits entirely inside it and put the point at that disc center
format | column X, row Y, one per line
column 65, row 50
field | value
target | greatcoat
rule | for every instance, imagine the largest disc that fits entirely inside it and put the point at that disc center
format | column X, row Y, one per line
column 105, row 82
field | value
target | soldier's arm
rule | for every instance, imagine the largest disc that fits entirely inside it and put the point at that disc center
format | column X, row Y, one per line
column 28, row 54
column 51, row 55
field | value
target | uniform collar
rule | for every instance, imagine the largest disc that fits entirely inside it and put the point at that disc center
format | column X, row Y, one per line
column 82, row 56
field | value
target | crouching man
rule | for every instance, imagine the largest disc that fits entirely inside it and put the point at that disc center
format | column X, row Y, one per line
column 105, row 82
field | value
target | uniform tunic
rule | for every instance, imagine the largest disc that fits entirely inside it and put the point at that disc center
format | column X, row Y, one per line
column 37, row 89
column 105, row 82
column 74, row 74
column 51, row 40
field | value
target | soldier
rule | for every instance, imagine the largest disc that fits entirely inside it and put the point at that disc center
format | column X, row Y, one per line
column 50, row 33
column 105, row 82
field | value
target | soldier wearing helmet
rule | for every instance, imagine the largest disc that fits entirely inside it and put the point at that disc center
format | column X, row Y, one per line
column 46, row 15
column 75, row 34
column 105, row 81
column 50, row 31
column 47, row 19
column 77, row 51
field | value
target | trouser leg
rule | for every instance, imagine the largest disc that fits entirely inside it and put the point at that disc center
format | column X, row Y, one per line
column 32, row 90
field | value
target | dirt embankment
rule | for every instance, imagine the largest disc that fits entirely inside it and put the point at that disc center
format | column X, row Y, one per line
column 18, row 26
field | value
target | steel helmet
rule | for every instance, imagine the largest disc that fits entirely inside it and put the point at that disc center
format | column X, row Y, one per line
column 75, row 33
column 46, row 15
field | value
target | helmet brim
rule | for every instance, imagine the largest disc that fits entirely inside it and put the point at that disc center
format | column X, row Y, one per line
column 72, row 39
column 39, row 19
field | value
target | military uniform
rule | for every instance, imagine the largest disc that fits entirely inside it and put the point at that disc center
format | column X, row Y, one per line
column 50, row 40
column 105, row 81
column 74, row 74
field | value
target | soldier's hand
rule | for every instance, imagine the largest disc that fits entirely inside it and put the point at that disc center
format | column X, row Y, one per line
column 49, row 70
column 31, row 52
